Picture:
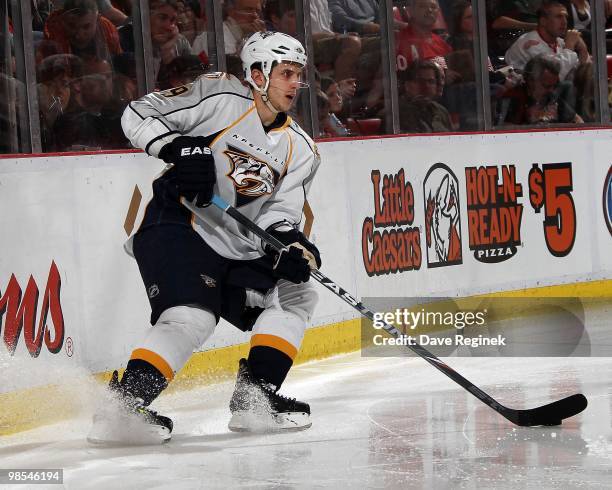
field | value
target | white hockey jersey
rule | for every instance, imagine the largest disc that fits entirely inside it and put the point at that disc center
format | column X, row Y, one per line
column 531, row 44
column 264, row 172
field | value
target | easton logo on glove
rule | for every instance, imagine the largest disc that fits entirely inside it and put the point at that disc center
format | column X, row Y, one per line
column 195, row 167
column 205, row 150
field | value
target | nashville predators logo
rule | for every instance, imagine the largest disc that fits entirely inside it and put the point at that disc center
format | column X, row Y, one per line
column 251, row 177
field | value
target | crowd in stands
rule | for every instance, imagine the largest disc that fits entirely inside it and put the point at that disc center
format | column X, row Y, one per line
column 86, row 64
column 539, row 62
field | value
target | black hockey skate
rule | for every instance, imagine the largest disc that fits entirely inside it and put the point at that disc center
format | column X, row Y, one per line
column 257, row 407
column 124, row 419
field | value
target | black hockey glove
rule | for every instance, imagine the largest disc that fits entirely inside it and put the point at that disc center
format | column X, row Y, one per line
column 297, row 238
column 291, row 265
column 195, row 167
column 295, row 263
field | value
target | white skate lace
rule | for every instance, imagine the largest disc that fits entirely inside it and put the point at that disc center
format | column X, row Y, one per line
column 269, row 387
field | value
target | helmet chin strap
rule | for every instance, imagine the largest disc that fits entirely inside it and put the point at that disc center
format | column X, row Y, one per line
column 264, row 96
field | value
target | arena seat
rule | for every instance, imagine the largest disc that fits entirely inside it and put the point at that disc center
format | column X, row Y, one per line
column 364, row 127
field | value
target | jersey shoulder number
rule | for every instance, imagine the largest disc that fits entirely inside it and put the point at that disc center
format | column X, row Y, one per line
column 173, row 92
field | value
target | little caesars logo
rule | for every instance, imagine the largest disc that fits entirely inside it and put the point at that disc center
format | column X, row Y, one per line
column 494, row 214
column 442, row 217
column 388, row 241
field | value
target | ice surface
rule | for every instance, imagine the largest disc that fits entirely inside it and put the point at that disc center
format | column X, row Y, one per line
column 377, row 423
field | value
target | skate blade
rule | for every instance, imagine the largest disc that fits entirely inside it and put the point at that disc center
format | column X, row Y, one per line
column 270, row 423
column 128, row 431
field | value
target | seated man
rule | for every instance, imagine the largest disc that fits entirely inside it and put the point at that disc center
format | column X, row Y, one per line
column 417, row 41
column 87, row 121
column 167, row 41
column 551, row 37
column 540, row 98
column 244, row 17
column 342, row 51
column 414, row 42
column 360, row 16
column 79, row 29
column 418, row 111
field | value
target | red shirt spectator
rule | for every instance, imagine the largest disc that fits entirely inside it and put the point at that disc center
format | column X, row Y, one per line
column 79, row 29
column 411, row 46
column 417, row 41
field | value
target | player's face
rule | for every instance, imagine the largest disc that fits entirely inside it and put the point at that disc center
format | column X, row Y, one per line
column 285, row 80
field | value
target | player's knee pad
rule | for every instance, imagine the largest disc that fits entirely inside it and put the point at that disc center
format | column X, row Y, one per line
column 171, row 341
column 299, row 299
column 195, row 323
column 287, row 310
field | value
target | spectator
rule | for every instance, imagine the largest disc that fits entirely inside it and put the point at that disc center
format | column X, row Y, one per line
column 54, row 75
column 461, row 26
column 333, row 125
column 323, row 111
column 579, row 14
column 125, row 81
column 281, row 14
column 540, row 98
column 168, row 42
column 418, row 111
column 189, row 20
column 417, row 41
column 244, row 17
column 88, row 122
column 510, row 19
column 116, row 16
column 460, row 62
column 338, row 50
column 360, row 16
column 551, row 37
column 79, row 29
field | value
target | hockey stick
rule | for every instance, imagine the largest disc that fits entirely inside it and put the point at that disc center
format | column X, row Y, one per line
column 550, row 414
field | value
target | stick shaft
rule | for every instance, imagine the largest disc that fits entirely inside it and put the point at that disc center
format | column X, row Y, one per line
column 550, row 414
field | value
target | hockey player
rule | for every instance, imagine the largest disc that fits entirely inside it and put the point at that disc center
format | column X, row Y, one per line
column 223, row 136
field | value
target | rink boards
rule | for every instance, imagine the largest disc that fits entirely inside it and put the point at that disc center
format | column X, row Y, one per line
column 399, row 216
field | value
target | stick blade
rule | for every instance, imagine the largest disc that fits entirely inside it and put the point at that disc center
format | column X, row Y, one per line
column 551, row 414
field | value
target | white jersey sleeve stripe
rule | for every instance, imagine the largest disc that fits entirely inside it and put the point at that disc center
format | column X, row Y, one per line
column 204, row 99
column 163, row 137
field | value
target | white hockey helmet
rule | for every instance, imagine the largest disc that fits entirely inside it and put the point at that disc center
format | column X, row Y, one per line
column 268, row 47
